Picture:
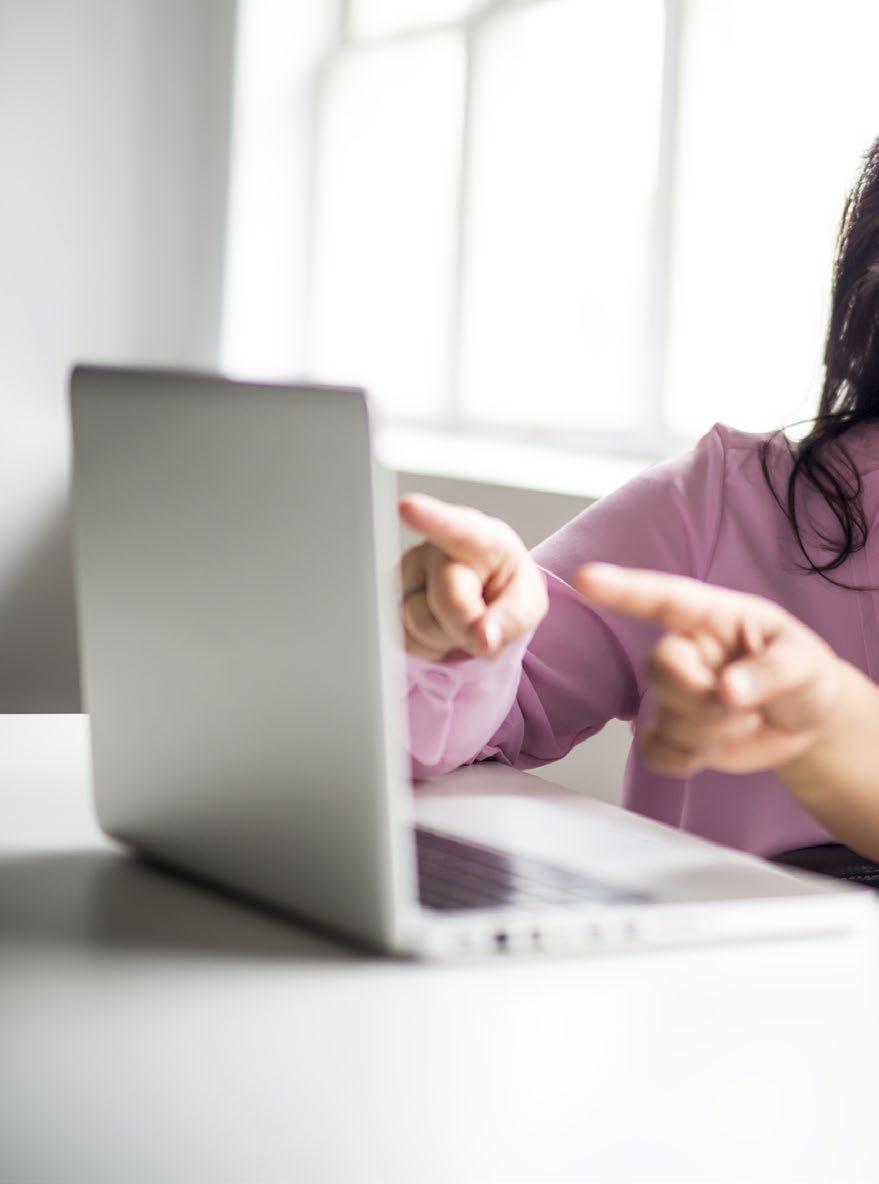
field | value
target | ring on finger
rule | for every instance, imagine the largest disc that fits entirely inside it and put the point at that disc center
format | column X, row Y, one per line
column 413, row 590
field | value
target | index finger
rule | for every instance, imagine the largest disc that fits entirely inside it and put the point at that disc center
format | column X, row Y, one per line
column 459, row 531
column 672, row 602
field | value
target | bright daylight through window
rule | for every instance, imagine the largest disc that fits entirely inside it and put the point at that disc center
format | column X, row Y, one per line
column 604, row 222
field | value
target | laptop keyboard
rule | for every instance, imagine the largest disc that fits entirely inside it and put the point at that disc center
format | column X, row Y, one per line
column 453, row 874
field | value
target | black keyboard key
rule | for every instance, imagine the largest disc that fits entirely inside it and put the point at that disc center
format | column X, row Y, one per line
column 453, row 874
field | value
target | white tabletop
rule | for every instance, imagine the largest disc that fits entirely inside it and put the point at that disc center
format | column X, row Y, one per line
column 152, row 1031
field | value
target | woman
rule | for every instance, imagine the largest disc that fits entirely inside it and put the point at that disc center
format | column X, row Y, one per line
column 491, row 678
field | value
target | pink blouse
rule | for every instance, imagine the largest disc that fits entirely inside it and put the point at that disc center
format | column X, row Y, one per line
column 710, row 515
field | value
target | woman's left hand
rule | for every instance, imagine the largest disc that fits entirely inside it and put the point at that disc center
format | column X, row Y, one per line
column 740, row 685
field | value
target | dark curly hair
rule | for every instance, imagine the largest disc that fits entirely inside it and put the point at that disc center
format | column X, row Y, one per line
column 850, row 394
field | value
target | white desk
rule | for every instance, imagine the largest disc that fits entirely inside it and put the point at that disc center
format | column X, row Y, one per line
column 151, row 1031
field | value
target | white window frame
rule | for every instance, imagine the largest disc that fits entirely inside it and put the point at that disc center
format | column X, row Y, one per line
column 651, row 438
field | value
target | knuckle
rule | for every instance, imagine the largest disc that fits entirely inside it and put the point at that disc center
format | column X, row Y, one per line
column 659, row 662
column 448, row 582
column 417, row 614
column 449, row 593
column 665, row 648
column 504, row 538
column 758, row 606
column 714, row 624
column 472, row 521
column 710, row 648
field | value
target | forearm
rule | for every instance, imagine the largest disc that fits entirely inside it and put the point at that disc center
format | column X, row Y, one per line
column 837, row 779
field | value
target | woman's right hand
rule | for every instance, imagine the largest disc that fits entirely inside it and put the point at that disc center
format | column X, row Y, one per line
column 471, row 587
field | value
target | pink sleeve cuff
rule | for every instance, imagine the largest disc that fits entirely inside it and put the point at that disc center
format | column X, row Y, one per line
column 457, row 705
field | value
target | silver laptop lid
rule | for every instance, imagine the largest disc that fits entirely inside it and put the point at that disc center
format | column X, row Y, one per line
column 237, row 637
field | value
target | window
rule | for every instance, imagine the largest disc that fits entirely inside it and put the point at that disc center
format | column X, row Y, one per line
column 607, row 222
column 385, row 225
column 778, row 99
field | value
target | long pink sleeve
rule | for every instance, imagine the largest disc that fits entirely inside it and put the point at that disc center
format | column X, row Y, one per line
column 710, row 515
column 581, row 668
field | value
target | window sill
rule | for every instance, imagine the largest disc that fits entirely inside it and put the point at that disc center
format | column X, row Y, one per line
column 471, row 456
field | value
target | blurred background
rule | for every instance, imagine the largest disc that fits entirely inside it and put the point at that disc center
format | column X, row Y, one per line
column 557, row 239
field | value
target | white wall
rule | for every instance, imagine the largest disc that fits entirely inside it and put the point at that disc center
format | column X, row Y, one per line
column 114, row 128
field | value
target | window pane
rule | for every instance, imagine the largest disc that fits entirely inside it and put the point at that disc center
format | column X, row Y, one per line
column 382, row 18
column 779, row 99
column 386, row 206
column 562, row 170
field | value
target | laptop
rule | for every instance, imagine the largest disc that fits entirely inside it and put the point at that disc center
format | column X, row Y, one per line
column 236, row 553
